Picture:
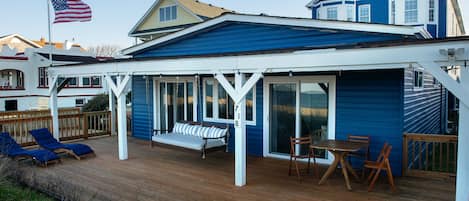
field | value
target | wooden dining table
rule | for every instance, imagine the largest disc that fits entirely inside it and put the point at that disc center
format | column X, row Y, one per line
column 340, row 149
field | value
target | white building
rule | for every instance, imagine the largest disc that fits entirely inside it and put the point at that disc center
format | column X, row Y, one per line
column 24, row 77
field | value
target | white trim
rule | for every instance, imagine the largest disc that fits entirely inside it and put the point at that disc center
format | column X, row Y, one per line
column 155, row 32
column 360, row 13
column 331, row 79
column 343, row 25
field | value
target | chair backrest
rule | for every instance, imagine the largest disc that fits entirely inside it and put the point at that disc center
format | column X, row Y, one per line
column 8, row 144
column 384, row 153
column 298, row 141
column 359, row 138
column 43, row 137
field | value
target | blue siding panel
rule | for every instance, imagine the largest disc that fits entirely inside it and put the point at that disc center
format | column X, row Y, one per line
column 379, row 10
column 422, row 108
column 442, row 17
column 142, row 107
column 370, row 103
column 233, row 37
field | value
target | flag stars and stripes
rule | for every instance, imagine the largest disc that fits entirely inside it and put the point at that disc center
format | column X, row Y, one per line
column 71, row 11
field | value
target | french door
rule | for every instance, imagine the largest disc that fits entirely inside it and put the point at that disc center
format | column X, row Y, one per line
column 174, row 102
column 298, row 107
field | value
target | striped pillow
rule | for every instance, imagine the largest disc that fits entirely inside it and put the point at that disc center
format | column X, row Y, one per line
column 216, row 132
column 204, row 131
column 192, row 130
column 178, row 128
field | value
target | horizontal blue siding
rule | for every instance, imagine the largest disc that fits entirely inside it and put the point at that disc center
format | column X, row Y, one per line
column 370, row 103
column 379, row 10
column 234, row 37
column 142, row 107
column 422, row 108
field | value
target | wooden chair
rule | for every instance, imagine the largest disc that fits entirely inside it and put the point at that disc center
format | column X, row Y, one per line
column 302, row 141
column 382, row 163
column 363, row 155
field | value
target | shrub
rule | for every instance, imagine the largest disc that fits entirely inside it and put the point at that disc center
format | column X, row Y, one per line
column 98, row 103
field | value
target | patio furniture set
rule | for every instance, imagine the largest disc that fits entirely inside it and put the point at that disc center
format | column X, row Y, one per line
column 48, row 153
column 343, row 152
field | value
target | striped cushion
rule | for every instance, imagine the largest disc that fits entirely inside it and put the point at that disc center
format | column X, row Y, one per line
column 216, row 132
column 205, row 131
column 192, row 130
column 178, row 128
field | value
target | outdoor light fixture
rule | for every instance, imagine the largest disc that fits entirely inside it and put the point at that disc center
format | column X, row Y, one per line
column 290, row 74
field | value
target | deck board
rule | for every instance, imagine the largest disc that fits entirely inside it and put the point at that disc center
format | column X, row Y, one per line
column 163, row 173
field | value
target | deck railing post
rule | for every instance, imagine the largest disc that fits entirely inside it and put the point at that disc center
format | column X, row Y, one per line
column 85, row 126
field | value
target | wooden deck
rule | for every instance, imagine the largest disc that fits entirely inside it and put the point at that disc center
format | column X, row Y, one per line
column 163, row 173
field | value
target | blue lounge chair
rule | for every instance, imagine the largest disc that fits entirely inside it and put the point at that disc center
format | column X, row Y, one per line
column 10, row 148
column 45, row 139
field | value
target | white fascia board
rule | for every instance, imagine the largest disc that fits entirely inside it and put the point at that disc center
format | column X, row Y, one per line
column 143, row 17
column 302, row 61
column 342, row 25
column 155, row 32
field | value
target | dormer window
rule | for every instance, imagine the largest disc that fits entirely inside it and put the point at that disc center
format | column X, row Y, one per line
column 431, row 10
column 168, row 13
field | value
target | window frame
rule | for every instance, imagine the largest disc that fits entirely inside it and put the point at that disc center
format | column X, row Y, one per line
column 431, row 10
column 350, row 9
column 392, row 19
column 368, row 6
column 407, row 11
column 43, row 75
column 334, row 9
column 215, row 106
column 418, row 84
column 171, row 9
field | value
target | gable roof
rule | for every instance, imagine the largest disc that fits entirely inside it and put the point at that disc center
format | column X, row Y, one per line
column 199, row 9
column 457, row 11
column 27, row 41
column 284, row 21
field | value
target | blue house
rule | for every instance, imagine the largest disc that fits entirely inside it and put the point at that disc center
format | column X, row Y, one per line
column 441, row 18
column 329, row 104
column 305, row 77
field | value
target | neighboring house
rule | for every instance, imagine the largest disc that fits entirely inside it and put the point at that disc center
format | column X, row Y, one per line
column 24, row 77
column 168, row 16
column 441, row 18
column 18, row 42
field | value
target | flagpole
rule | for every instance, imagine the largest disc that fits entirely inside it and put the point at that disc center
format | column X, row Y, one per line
column 50, row 33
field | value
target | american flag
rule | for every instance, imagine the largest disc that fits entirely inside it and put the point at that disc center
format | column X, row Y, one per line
column 71, row 11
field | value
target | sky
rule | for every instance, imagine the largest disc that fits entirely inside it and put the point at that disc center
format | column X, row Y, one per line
column 112, row 19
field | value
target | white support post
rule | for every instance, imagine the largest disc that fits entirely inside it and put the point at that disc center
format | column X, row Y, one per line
column 112, row 109
column 54, row 110
column 462, row 175
column 240, row 133
column 122, row 120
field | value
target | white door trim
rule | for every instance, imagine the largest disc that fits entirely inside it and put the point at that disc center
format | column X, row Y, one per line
column 331, row 79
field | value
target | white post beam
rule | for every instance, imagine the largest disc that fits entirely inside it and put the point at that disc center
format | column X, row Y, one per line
column 54, row 110
column 112, row 109
column 122, row 120
column 462, row 175
column 240, row 133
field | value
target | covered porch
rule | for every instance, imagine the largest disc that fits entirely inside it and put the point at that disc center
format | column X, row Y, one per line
column 162, row 173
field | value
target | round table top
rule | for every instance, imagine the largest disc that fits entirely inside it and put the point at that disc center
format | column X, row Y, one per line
column 338, row 145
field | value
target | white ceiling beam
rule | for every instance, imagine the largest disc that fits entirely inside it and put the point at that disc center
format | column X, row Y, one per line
column 311, row 61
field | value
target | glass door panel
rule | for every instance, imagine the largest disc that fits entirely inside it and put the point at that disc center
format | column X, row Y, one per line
column 282, row 117
column 314, row 106
column 176, row 103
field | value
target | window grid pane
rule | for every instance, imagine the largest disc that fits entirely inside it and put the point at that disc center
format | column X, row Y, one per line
column 332, row 13
column 364, row 13
column 162, row 15
column 411, row 11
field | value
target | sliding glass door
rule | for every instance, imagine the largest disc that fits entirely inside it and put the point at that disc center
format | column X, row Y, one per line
column 175, row 102
column 298, row 107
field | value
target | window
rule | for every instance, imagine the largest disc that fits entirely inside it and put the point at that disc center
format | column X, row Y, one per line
column 418, row 79
column 95, row 81
column 11, row 105
column 168, row 13
column 393, row 11
column 72, row 82
column 219, row 105
column 318, row 14
column 43, row 80
column 431, row 10
column 332, row 13
column 411, row 11
column 79, row 102
column 364, row 13
column 350, row 12
column 85, row 81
